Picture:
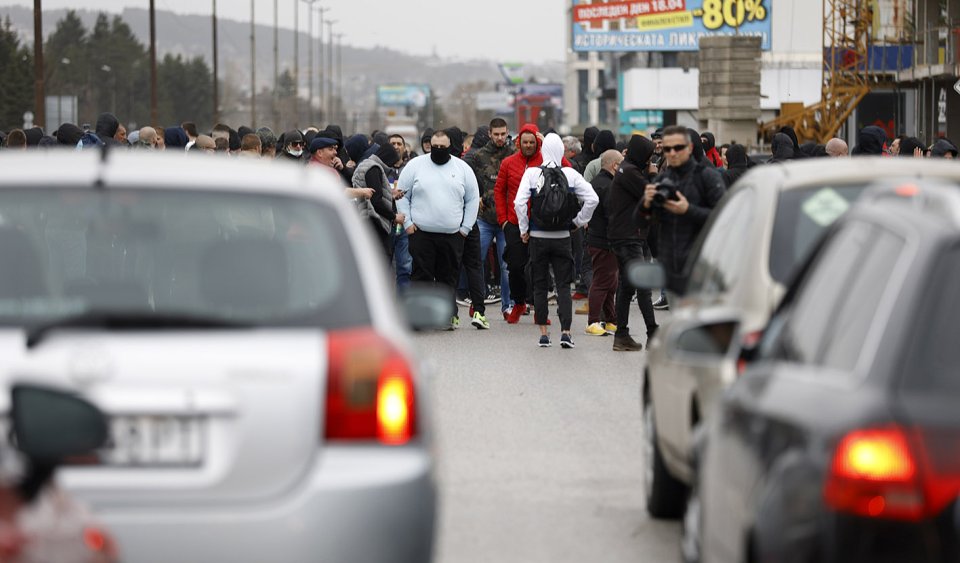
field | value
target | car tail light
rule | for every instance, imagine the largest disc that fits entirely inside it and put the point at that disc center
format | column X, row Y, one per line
column 747, row 349
column 887, row 473
column 370, row 391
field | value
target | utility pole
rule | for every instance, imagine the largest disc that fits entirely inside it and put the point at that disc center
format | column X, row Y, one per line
column 340, row 108
column 216, row 75
column 296, row 62
column 276, row 59
column 253, row 67
column 309, row 3
column 320, row 83
column 154, row 118
column 39, row 95
column 330, row 68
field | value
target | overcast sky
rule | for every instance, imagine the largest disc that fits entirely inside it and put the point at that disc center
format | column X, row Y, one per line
column 503, row 30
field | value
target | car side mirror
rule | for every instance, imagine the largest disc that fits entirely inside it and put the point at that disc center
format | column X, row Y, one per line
column 652, row 275
column 50, row 426
column 427, row 307
column 713, row 340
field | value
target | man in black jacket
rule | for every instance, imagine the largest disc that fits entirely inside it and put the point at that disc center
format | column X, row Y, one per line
column 602, row 315
column 699, row 189
column 628, row 240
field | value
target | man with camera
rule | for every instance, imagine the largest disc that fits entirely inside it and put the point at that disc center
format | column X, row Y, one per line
column 679, row 201
column 627, row 240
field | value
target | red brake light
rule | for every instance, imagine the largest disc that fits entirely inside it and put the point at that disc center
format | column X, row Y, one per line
column 887, row 473
column 370, row 391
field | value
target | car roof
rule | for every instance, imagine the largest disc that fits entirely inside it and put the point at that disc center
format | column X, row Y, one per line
column 137, row 169
column 828, row 171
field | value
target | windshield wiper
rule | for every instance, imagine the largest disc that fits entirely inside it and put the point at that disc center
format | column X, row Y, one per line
column 121, row 321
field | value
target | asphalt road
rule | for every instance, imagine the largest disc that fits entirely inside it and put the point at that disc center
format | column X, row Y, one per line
column 540, row 449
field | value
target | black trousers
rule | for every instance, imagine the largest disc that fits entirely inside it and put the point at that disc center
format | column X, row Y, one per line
column 436, row 258
column 473, row 268
column 516, row 255
column 544, row 253
column 628, row 251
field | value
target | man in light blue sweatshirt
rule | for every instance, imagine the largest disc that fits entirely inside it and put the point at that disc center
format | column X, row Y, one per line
column 440, row 202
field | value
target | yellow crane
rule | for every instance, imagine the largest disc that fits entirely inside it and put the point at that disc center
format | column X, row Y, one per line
column 846, row 54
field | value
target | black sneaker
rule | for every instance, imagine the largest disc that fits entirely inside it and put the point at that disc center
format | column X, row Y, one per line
column 626, row 344
column 545, row 341
column 566, row 341
column 661, row 304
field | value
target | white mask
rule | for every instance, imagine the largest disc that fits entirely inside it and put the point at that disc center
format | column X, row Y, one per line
column 295, row 152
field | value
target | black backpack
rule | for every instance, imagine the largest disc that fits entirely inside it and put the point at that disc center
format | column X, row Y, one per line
column 553, row 206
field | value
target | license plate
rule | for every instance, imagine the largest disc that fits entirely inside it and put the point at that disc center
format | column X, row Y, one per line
column 155, row 441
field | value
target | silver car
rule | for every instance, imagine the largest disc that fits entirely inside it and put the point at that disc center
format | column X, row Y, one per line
column 234, row 321
column 737, row 273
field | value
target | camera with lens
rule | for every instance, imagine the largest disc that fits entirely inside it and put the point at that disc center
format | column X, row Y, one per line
column 666, row 191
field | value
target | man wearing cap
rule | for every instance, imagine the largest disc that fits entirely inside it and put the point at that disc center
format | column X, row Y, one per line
column 323, row 152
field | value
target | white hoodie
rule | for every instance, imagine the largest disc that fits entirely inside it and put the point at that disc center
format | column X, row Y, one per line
column 553, row 156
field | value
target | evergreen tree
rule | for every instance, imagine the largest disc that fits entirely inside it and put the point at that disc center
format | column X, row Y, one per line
column 184, row 91
column 16, row 78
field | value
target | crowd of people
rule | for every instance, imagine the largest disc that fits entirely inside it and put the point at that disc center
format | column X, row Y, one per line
column 521, row 221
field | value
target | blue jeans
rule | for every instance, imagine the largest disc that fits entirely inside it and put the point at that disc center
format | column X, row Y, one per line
column 402, row 259
column 487, row 233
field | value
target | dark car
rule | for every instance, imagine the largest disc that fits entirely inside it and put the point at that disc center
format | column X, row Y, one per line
column 841, row 439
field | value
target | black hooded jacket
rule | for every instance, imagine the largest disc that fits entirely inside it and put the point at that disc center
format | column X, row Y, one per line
column 870, row 141
column 480, row 139
column 909, row 146
column 107, row 125
column 586, row 154
column 699, row 154
column 737, row 164
column 69, row 134
column 456, row 141
column 703, row 187
column 794, row 141
column 782, row 148
column 599, row 225
column 627, row 189
column 374, row 179
column 942, row 147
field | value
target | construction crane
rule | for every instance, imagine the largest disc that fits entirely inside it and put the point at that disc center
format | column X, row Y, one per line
column 846, row 58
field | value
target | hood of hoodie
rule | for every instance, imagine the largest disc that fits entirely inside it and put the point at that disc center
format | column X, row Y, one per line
column 34, row 135
column 711, row 141
column 69, row 134
column 530, row 128
column 456, row 141
column 356, row 146
column 388, row 155
column 481, row 137
column 782, row 147
column 107, row 125
column 427, row 135
column 870, row 141
column 605, row 141
column 736, row 157
column 698, row 154
column 552, row 150
column 909, row 145
column 639, row 151
column 942, row 147
column 334, row 132
column 589, row 136
column 175, row 137
column 789, row 132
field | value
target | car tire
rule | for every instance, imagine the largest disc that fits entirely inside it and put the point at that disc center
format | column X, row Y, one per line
column 666, row 496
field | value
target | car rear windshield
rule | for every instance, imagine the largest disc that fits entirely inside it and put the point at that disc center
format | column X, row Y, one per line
column 934, row 358
column 254, row 259
column 802, row 216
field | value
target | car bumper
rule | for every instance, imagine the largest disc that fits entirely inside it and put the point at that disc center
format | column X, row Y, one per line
column 360, row 504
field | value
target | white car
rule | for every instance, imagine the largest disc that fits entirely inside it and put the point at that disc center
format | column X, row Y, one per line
column 234, row 321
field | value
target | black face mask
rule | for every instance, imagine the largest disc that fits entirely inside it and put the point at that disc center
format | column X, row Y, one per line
column 440, row 155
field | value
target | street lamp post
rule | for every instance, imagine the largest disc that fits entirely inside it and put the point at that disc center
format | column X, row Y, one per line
column 321, row 10
column 253, row 67
column 216, row 74
column 310, row 59
column 154, row 119
column 39, row 95
column 296, row 61
column 340, row 108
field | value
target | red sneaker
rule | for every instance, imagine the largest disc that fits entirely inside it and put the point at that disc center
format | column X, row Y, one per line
column 579, row 296
column 516, row 313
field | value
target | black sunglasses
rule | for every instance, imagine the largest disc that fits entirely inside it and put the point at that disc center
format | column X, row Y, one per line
column 296, row 143
column 675, row 148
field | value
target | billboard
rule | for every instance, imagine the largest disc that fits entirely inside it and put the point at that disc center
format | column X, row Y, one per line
column 403, row 95
column 665, row 25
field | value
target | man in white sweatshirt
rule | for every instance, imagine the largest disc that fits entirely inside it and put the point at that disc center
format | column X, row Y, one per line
column 549, row 234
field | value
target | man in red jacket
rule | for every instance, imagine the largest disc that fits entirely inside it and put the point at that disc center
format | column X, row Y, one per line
column 516, row 253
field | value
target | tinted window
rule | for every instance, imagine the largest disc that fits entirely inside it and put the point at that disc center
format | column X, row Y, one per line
column 935, row 355
column 717, row 266
column 802, row 216
column 807, row 318
column 856, row 313
column 255, row 259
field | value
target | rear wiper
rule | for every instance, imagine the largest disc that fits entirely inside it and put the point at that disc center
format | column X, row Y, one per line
column 119, row 320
